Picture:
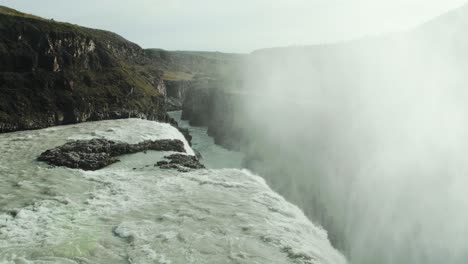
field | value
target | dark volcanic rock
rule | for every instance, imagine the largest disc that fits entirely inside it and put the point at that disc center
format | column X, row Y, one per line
column 54, row 73
column 180, row 162
column 183, row 131
column 186, row 134
column 198, row 106
column 217, row 109
column 175, row 93
column 95, row 154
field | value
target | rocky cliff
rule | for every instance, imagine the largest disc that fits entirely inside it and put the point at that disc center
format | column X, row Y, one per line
column 183, row 70
column 208, row 104
column 55, row 73
column 176, row 91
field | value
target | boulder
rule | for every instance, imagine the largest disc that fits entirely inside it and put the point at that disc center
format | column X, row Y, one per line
column 180, row 162
column 96, row 154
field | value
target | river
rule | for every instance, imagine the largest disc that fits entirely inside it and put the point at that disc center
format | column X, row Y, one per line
column 134, row 212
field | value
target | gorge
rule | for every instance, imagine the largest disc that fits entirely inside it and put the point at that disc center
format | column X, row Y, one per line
column 84, row 187
column 366, row 137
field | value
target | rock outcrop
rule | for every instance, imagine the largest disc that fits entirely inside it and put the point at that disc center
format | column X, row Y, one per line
column 180, row 162
column 175, row 93
column 198, row 106
column 55, row 73
column 184, row 131
column 96, row 154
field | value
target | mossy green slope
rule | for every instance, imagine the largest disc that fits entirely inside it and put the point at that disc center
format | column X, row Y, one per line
column 54, row 73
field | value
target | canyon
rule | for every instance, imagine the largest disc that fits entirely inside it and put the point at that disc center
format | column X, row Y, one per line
column 366, row 137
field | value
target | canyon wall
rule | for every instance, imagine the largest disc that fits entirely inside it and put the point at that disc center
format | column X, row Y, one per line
column 55, row 73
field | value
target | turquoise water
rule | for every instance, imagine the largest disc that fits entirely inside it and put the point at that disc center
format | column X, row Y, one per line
column 134, row 212
column 213, row 156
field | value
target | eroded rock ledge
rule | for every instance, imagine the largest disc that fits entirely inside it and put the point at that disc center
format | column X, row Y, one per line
column 96, row 154
column 180, row 162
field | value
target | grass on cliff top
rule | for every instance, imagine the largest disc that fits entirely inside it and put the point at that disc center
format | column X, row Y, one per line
column 12, row 12
column 212, row 55
column 50, row 25
column 184, row 65
column 177, row 76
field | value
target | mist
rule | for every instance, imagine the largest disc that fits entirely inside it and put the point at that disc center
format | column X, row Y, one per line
column 370, row 139
column 368, row 135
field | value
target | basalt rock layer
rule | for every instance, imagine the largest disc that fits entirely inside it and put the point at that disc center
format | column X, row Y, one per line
column 180, row 162
column 211, row 106
column 96, row 154
column 55, row 73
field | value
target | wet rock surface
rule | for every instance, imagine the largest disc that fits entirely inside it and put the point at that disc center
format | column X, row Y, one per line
column 180, row 162
column 175, row 96
column 182, row 130
column 96, row 154
column 219, row 110
column 54, row 73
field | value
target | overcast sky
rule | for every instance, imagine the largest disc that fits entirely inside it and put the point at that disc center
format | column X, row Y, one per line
column 239, row 25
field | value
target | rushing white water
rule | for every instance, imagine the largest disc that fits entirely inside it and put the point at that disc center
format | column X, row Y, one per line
column 133, row 212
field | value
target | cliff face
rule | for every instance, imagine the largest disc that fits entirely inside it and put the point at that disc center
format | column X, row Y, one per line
column 183, row 70
column 198, row 106
column 176, row 91
column 184, row 65
column 56, row 73
column 207, row 104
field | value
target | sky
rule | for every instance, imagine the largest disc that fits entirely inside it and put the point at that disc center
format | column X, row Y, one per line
column 239, row 25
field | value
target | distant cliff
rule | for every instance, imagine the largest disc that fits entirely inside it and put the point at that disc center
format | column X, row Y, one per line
column 183, row 70
column 55, row 73
column 208, row 104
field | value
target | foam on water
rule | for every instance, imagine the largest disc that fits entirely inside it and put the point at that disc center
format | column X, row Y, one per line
column 134, row 131
column 134, row 212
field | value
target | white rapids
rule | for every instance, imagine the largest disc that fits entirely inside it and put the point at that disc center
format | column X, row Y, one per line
column 134, row 212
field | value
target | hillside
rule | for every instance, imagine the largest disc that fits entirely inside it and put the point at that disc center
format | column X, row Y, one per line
column 54, row 73
column 187, row 65
column 186, row 70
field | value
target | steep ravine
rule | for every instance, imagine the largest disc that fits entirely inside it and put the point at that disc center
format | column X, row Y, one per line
column 217, row 109
column 212, row 155
column 54, row 73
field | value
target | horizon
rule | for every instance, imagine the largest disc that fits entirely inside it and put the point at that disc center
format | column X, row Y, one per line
column 185, row 27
